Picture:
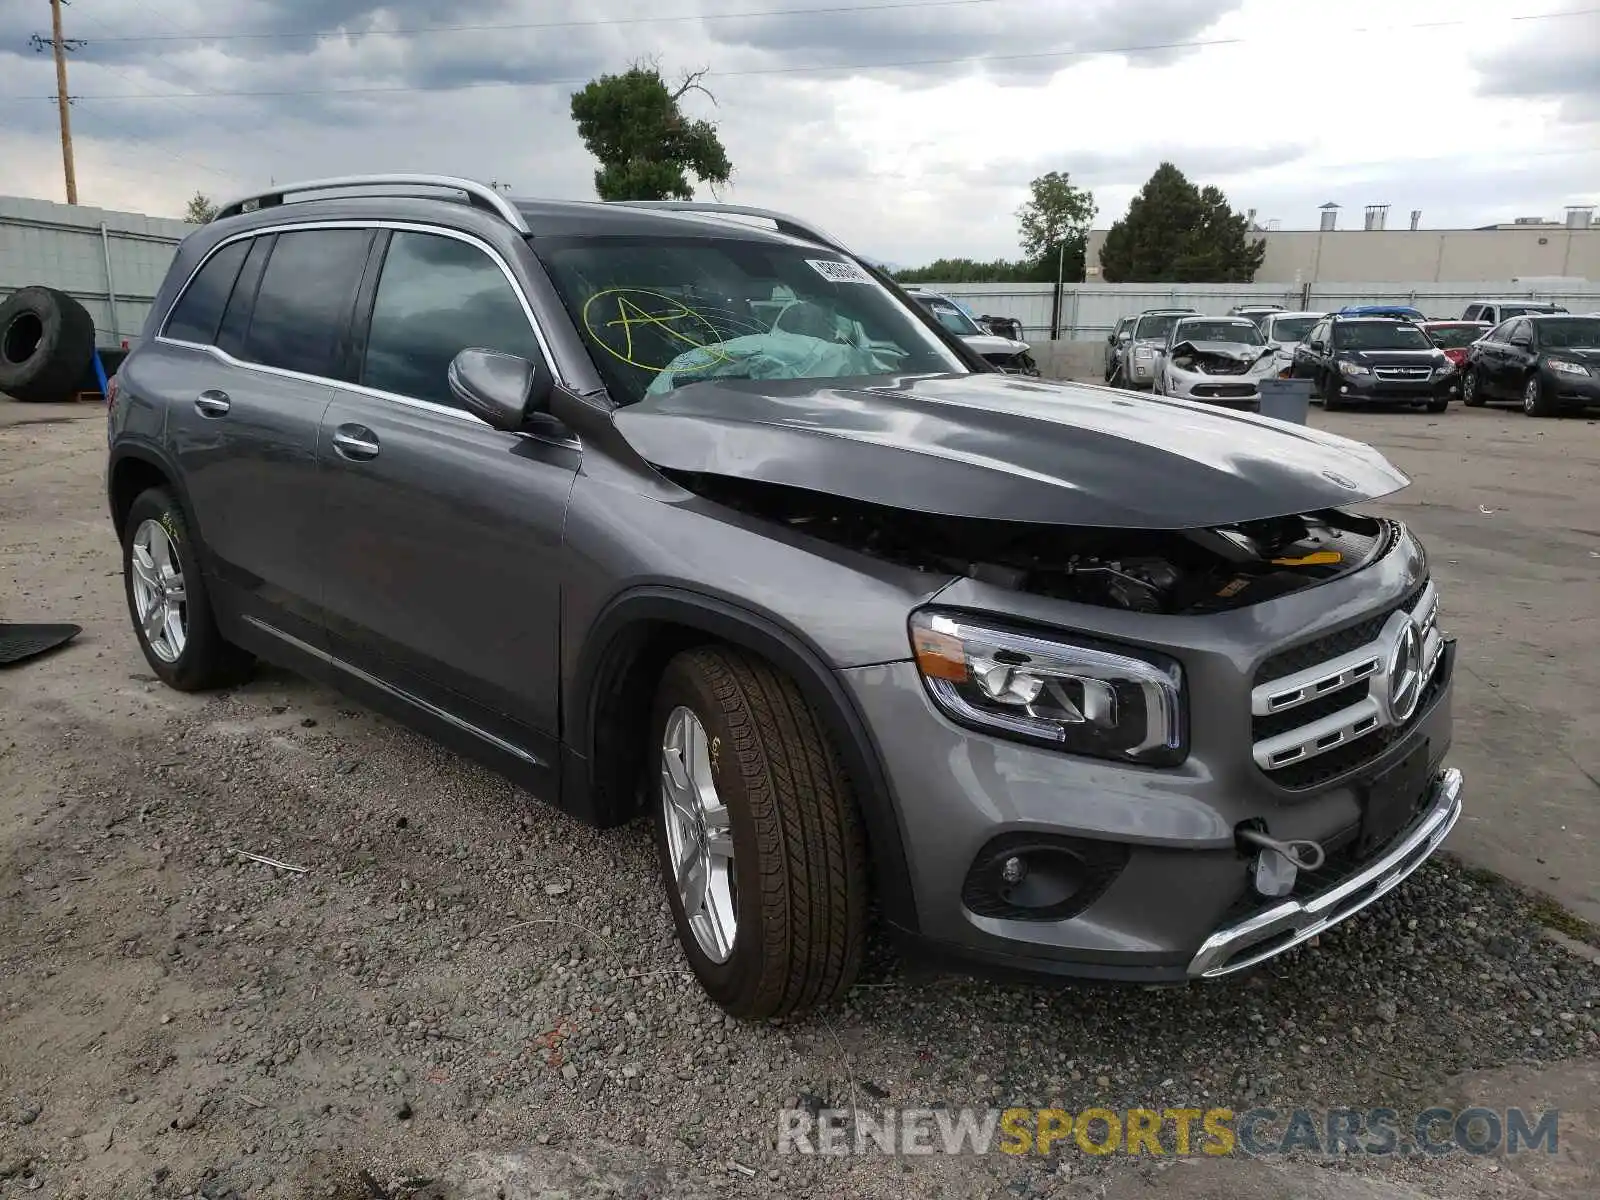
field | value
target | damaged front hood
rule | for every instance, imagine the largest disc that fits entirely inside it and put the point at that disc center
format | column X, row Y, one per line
column 1007, row 448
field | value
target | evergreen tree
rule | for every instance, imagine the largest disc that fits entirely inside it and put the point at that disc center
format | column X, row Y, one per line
column 1175, row 232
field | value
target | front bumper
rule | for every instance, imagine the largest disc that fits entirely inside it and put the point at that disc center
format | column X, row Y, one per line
column 1572, row 391
column 1374, row 389
column 1169, row 893
column 1232, row 391
column 1266, row 934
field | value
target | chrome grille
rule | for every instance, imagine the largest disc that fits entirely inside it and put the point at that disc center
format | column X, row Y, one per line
column 1403, row 372
column 1330, row 703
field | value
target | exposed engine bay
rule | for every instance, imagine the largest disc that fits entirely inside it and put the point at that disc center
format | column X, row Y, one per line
column 1220, row 358
column 1181, row 571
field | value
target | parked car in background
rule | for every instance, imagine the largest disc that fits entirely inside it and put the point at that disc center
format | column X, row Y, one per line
column 1286, row 330
column 1136, row 367
column 1008, row 354
column 1548, row 361
column 1220, row 360
column 1454, row 338
column 1395, row 312
column 1495, row 311
column 1256, row 312
column 1373, row 360
column 1115, row 341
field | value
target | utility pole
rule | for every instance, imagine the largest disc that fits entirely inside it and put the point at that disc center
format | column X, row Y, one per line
column 63, row 103
column 59, row 45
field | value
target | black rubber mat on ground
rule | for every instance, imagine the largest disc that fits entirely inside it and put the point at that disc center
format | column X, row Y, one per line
column 21, row 642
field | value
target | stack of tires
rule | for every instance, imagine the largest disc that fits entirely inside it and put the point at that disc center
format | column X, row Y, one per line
column 46, row 345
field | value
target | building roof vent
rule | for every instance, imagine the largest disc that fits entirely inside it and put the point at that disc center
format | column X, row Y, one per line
column 1330, row 215
column 1580, row 216
column 1377, row 216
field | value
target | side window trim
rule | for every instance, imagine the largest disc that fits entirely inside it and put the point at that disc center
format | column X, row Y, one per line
column 376, row 225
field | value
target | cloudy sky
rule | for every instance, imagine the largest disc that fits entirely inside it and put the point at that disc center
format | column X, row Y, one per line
column 909, row 129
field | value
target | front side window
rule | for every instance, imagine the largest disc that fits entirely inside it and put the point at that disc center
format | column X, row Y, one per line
column 438, row 296
column 659, row 313
column 302, row 309
column 199, row 310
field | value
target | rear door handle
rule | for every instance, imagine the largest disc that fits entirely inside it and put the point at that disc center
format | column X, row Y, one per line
column 355, row 442
column 212, row 403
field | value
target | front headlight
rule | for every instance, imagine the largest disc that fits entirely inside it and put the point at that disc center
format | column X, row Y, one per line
column 1350, row 368
column 1143, row 353
column 1083, row 697
column 1566, row 367
column 1444, row 368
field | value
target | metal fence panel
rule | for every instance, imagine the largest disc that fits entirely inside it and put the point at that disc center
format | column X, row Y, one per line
column 1091, row 311
column 111, row 262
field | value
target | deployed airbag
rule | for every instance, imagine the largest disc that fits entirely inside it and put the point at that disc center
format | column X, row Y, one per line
column 772, row 355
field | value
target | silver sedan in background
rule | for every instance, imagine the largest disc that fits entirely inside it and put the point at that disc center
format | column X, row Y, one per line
column 1220, row 360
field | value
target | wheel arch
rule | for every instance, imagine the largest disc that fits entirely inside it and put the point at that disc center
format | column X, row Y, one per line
column 611, row 692
column 135, row 467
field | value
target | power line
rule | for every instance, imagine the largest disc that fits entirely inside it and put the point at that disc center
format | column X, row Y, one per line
column 671, row 18
column 479, row 85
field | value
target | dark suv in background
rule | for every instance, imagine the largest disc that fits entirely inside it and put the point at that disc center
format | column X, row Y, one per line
column 1373, row 360
column 658, row 512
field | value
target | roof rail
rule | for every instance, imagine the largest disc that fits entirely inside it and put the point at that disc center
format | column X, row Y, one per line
column 479, row 195
column 786, row 224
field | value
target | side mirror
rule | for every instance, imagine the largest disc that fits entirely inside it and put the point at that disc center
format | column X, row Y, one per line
column 502, row 389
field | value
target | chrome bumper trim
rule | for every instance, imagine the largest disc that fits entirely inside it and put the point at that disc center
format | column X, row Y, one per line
column 1227, row 950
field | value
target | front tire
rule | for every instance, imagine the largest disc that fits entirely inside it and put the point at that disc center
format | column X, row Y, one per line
column 168, row 601
column 1330, row 393
column 1438, row 404
column 1471, row 389
column 760, row 841
column 1536, row 398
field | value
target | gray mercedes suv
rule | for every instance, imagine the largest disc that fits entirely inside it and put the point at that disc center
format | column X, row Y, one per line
column 686, row 511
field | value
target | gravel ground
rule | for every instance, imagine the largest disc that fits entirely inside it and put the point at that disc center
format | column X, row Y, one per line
column 468, row 989
column 457, row 968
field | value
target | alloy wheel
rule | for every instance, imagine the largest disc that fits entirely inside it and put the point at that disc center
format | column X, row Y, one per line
column 1530, row 396
column 159, row 598
column 699, row 835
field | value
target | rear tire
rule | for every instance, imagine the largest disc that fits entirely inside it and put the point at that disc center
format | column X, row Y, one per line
column 1536, row 398
column 1471, row 389
column 181, row 641
column 781, row 806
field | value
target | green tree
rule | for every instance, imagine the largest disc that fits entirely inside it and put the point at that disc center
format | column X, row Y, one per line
column 647, row 148
column 1054, row 226
column 1175, row 232
column 966, row 270
column 200, row 210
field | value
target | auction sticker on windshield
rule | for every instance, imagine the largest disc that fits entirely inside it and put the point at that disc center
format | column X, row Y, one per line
column 838, row 272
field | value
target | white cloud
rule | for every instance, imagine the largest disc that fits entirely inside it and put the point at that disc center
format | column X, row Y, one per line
column 1473, row 117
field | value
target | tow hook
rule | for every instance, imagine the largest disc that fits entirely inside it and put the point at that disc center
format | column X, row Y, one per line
column 1280, row 862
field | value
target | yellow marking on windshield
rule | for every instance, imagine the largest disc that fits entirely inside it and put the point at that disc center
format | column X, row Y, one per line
column 609, row 317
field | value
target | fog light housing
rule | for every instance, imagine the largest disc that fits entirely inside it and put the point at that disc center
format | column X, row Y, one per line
column 1040, row 877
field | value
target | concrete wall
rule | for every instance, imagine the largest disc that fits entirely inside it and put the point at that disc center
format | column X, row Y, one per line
column 1092, row 310
column 62, row 246
column 1423, row 255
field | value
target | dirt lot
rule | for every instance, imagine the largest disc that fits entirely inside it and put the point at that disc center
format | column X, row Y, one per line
column 466, row 989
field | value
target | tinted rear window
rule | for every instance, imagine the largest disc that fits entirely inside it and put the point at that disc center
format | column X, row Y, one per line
column 199, row 310
column 302, row 311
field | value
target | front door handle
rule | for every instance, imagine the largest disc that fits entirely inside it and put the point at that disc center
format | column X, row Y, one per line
column 212, row 403
column 355, row 442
